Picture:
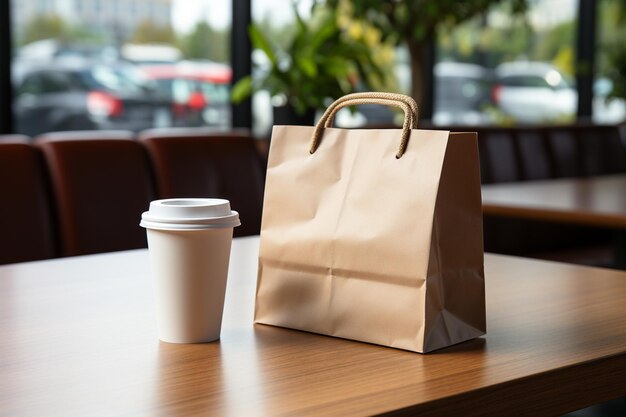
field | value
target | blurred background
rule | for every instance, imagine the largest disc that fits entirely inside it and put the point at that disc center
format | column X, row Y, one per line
column 137, row 64
column 542, row 82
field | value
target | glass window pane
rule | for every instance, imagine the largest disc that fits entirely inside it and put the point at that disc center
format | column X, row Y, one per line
column 505, row 68
column 609, row 88
column 120, row 64
column 276, row 20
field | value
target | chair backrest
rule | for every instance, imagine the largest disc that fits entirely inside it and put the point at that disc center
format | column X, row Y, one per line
column 195, row 163
column 498, row 155
column 565, row 152
column 525, row 153
column 601, row 150
column 101, row 185
column 533, row 152
column 26, row 225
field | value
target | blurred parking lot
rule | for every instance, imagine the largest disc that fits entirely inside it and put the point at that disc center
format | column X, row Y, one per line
column 61, row 87
column 73, row 89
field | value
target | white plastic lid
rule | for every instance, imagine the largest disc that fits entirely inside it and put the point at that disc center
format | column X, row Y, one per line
column 189, row 214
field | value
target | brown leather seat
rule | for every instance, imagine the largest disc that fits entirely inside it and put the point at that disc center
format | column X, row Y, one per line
column 197, row 163
column 601, row 149
column 534, row 155
column 565, row 151
column 102, row 184
column 26, row 225
column 498, row 155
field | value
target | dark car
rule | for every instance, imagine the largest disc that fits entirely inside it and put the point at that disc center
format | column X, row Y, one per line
column 86, row 96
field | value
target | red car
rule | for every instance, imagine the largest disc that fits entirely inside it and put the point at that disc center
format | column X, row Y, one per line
column 200, row 91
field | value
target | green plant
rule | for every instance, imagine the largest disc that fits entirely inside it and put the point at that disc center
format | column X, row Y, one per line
column 416, row 22
column 612, row 57
column 322, row 62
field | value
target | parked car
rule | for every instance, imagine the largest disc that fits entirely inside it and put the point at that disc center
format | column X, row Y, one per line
column 80, row 95
column 462, row 91
column 533, row 92
column 199, row 91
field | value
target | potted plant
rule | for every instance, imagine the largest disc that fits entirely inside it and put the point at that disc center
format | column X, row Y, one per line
column 319, row 64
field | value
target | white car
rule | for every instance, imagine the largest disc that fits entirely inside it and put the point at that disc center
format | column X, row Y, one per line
column 533, row 92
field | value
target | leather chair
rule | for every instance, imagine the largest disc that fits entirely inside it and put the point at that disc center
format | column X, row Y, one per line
column 533, row 153
column 26, row 225
column 196, row 163
column 102, row 183
column 498, row 155
column 564, row 151
column 601, row 149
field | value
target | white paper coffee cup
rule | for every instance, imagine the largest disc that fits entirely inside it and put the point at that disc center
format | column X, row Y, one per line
column 189, row 241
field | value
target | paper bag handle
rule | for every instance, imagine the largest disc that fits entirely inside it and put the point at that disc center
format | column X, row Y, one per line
column 406, row 103
column 332, row 110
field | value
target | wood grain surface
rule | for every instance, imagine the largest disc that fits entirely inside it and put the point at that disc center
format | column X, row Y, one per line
column 595, row 201
column 78, row 338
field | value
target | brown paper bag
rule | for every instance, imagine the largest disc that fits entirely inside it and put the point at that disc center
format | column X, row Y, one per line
column 373, row 235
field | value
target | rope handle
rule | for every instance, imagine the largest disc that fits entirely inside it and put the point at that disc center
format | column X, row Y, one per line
column 372, row 95
column 406, row 103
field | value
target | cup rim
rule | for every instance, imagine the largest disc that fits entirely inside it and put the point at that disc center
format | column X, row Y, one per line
column 189, row 213
column 208, row 224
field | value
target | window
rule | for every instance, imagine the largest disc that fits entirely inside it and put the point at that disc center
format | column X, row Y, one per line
column 506, row 68
column 123, row 48
column 276, row 19
column 609, row 101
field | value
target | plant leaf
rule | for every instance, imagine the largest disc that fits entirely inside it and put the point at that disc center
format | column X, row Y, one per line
column 307, row 65
column 259, row 41
column 241, row 90
column 324, row 33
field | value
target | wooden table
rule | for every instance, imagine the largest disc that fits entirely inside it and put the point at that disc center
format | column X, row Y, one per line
column 595, row 201
column 78, row 338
